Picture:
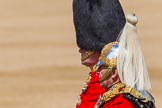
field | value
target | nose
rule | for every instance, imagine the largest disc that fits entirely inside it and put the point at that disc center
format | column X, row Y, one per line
column 81, row 50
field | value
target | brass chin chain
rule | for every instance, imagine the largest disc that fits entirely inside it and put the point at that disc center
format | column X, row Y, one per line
column 86, row 55
column 111, row 67
column 110, row 63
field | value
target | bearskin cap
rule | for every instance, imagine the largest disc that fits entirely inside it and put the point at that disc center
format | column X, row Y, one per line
column 97, row 22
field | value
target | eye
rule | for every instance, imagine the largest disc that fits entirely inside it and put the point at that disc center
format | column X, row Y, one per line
column 101, row 68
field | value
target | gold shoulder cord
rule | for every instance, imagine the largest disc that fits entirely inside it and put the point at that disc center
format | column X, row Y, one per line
column 120, row 89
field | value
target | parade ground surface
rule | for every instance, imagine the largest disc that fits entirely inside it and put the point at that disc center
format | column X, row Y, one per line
column 39, row 60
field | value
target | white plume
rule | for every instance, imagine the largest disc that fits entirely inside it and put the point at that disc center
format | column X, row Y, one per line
column 130, row 63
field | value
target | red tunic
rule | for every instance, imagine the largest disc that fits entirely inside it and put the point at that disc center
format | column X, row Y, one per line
column 118, row 102
column 91, row 95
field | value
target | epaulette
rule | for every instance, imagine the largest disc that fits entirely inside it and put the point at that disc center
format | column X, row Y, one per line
column 121, row 88
column 135, row 93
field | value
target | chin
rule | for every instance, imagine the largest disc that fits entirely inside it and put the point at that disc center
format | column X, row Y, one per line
column 86, row 64
column 102, row 85
column 105, row 85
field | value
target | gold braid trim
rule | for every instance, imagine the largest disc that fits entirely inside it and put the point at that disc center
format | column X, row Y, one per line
column 84, row 88
column 121, row 88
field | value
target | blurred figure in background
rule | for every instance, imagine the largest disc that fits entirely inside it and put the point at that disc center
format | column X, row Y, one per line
column 97, row 22
column 123, row 72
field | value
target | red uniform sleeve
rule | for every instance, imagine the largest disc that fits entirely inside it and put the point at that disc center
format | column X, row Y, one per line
column 91, row 95
column 118, row 102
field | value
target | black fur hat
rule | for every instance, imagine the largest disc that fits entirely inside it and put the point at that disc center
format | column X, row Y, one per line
column 97, row 22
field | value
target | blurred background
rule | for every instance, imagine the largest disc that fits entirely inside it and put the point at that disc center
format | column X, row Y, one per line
column 39, row 60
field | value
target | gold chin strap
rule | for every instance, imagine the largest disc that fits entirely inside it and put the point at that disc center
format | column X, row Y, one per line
column 111, row 67
column 110, row 63
column 107, row 74
column 86, row 55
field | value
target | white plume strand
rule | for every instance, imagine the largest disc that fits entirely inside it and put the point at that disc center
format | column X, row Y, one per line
column 130, row 64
